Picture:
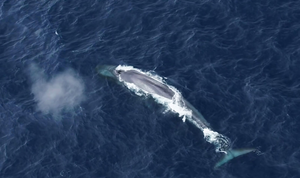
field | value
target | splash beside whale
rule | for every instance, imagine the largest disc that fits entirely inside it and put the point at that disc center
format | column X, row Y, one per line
column 145, row 83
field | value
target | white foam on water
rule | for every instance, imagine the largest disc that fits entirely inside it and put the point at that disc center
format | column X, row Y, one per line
column 210, row 135
column 221, row 142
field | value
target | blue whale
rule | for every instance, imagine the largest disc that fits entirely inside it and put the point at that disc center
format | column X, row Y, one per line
column 159, row 88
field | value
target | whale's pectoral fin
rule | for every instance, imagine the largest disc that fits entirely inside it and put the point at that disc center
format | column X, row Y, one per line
column 232, row 154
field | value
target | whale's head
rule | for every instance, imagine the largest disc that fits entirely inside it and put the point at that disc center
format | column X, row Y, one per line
column 107, row 71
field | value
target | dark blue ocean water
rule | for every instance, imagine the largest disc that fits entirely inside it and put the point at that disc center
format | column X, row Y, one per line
column 238, row 62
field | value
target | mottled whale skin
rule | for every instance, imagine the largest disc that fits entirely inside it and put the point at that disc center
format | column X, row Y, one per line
column 146, row 83
column 156, row 87
column 152, row 86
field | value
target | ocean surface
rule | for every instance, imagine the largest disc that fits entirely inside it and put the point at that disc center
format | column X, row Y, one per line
column 236, row 61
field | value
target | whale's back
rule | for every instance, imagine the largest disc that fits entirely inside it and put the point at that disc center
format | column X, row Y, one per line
column 146, row 83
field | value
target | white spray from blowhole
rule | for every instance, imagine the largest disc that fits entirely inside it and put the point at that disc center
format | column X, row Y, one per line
column 62, row 92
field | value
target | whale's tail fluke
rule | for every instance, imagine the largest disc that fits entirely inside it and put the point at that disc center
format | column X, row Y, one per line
column 232, row 154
